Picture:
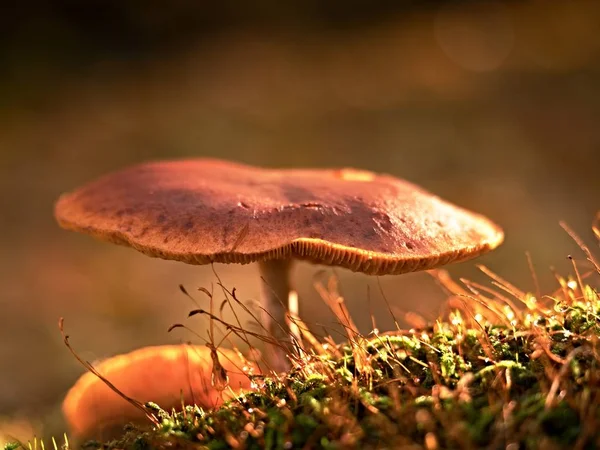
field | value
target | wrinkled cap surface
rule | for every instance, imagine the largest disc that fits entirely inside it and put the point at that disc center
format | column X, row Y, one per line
column 204, row 210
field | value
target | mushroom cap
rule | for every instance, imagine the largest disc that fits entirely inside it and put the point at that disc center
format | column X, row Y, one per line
column 201, row 211
column 165, row 374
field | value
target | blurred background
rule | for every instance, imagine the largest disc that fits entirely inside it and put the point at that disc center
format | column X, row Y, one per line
column 492, row 105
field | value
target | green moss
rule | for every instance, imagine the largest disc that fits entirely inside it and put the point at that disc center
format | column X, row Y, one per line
column 12, row 446
column 441, row 382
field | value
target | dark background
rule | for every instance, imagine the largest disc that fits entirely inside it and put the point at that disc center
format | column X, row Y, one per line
column 492, row 105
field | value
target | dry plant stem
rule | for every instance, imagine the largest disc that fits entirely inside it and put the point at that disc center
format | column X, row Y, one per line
column 275, row 289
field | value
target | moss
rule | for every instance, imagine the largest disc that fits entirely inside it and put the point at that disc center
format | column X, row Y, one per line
column 453, row 393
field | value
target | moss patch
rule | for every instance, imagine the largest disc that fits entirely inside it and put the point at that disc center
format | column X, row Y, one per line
column 533, row 382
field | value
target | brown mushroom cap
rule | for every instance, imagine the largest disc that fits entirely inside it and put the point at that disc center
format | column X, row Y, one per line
column 165, row 374
column 206, row 210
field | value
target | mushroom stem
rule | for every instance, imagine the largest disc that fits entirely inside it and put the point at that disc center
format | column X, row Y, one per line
column 275, row 290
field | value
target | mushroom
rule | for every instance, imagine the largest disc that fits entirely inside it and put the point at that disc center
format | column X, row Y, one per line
column 203, row 211
column 167, row 375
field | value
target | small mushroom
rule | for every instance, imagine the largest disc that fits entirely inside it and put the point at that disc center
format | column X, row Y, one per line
column 202, row 211
column 167, row 375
